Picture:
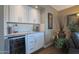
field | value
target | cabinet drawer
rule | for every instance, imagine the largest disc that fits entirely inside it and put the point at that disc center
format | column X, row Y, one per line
column 31, row 48
column 29, row 40
column 31, row 45
column 30, row 37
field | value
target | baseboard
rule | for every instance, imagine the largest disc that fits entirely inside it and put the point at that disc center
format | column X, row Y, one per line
column 45, row 46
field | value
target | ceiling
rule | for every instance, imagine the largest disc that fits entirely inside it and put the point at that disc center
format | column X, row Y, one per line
column 61, row 7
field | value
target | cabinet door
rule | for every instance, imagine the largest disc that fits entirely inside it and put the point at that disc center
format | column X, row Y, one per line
column 31, row 44
column 40, row 40
column 18, row 14
column 12, row 14
column 39, row 37
column 34, row 15
column 37, row 17
column 24, row 14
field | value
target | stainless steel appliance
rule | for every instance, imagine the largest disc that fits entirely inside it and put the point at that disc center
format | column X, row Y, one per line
column 17, row 44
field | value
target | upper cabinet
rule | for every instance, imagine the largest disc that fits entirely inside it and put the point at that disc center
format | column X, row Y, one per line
column 18, row 14
column 12, row 14
column 23, row 14
column 34, row 15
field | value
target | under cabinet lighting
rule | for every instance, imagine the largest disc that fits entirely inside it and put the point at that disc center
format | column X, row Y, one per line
column 36, row 6
column 78, row 14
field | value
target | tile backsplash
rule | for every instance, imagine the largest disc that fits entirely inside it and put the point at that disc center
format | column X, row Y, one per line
column 13, row 28
column 25, row 28
column 20, row 28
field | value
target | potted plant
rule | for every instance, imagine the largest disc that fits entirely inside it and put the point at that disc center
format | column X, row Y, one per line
column 60, row 41
column 74, row 27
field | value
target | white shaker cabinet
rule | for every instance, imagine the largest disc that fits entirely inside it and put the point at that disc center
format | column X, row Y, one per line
column 18, row 13
column 13, row 17
column 23, row 14
column 34, row 15
column 30, row 43
column 39, row 40
column 34, row 42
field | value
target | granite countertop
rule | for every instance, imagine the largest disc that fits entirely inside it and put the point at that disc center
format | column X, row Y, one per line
column 15, row 34
column 19, row 34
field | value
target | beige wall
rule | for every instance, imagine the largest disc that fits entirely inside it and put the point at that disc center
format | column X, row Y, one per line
column 63, row 16
column 44, row 20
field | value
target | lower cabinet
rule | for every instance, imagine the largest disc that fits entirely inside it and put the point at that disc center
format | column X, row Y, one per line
column 34, row 42
column 39, row 40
